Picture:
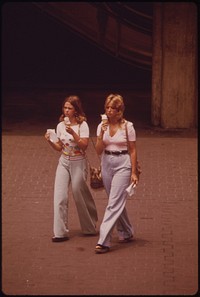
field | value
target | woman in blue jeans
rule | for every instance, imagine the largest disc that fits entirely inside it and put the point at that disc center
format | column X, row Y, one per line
column 118, row 167
column 73, row 136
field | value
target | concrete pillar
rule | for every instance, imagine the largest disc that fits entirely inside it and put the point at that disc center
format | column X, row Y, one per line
column 174, row 69
column 156, row 65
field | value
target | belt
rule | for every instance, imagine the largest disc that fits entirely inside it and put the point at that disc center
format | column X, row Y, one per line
column 73, row 158
column 117, row 153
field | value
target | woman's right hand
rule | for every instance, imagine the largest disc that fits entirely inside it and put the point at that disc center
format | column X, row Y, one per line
column 47, row 136
column 56, row 145
column 104, row 126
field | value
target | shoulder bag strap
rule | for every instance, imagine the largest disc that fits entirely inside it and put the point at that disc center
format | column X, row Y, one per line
column 138, row 168
column 126, row 123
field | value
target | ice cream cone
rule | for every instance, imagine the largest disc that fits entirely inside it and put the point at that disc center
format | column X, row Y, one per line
column 104, row 118
column 66, row 121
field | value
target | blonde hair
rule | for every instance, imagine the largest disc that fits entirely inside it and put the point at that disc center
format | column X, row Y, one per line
column 116, row 101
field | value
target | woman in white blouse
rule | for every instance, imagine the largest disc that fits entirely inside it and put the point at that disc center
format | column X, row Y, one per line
column 118, row 167
column 73, row 137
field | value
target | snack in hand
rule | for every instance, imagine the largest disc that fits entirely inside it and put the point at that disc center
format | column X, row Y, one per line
column 104, row 118
column 52, row 135
column 66, row 121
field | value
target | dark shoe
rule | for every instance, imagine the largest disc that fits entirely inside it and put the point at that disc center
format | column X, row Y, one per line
column 59, row 239
column 91, row 234
column 100, row 249
column 128, row 239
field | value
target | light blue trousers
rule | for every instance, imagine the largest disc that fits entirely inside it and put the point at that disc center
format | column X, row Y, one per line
column 76, row 173
column 116, row 173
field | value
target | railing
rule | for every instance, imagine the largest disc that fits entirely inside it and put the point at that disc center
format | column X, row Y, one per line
column 117, row 28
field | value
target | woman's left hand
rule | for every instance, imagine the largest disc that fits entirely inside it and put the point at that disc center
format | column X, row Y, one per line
column 69, row 129
column 134, row 178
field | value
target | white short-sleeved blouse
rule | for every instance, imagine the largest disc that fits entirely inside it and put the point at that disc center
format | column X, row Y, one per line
column 118, row 142
column 70, row 147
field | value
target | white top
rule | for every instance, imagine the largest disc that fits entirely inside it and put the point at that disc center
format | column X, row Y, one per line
column 70, row 147
column 118, row 142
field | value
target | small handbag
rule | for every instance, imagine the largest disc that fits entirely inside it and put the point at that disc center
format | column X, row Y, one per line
column 96, row 181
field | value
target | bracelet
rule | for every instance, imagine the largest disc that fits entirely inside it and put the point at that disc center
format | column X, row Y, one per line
column 100, row 138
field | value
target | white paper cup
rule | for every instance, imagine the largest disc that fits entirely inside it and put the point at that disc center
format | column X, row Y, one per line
column 51, row 130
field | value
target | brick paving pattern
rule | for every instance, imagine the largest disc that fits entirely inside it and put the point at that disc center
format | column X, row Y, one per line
column 163, row 260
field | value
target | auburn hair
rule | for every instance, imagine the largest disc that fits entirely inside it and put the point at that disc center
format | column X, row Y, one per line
column 75, row 101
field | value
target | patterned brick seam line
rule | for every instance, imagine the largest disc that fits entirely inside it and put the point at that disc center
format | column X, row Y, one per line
column 168, row 251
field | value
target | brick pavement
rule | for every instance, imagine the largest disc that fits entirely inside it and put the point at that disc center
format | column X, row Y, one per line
column 162, row 261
